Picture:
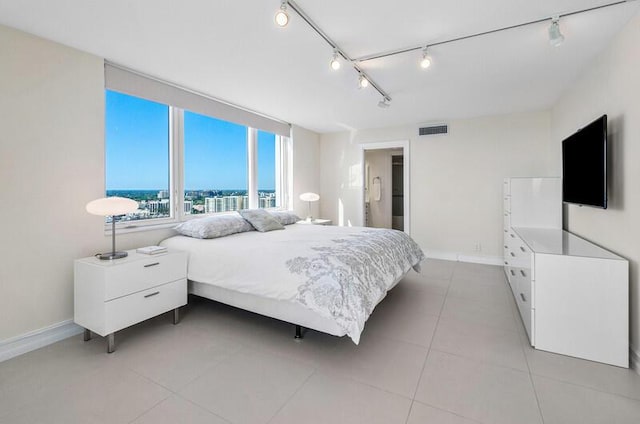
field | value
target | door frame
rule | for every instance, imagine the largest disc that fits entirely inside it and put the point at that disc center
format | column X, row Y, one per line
column 398, row 144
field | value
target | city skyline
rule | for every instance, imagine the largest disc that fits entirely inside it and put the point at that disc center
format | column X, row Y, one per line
column 154, row 204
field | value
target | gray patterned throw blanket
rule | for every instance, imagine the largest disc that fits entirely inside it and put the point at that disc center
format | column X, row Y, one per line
column 347, row 279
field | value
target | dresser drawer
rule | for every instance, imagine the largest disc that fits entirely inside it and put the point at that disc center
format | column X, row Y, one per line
column 142, row 274
column 512, row 278
column 134, row 308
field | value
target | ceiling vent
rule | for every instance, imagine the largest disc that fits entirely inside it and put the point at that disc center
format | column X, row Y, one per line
column 434, row 130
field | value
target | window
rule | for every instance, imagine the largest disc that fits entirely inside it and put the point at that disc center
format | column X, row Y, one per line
column 215, row 165
column 137, row 154
column 180, row 154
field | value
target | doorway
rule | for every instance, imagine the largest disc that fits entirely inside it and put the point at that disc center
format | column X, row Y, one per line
column 385, row 193
column 397, row 192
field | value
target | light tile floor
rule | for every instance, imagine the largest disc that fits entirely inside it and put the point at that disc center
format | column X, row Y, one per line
column 444, row 347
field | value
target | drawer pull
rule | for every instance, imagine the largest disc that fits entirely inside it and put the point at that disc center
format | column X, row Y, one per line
column 151, row 294
column 512, row 236
column 153, row 264
column 505, row 231
column 505, row 214
column 512, row 273
column 505, row 246
column 506, row 263
column 512, row 254
column 523, row 274
column 522, row 248
column 524, row 299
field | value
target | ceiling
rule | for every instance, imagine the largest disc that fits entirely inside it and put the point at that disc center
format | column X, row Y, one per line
column 232, row 50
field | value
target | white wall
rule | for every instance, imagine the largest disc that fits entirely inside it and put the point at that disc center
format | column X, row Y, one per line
column 610, row 85
column 306, row 169
column 456, row 180
column 51, row 165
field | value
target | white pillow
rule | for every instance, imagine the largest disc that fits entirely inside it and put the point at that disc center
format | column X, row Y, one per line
column 214, row 226
column 285, row 217
column 261, row 220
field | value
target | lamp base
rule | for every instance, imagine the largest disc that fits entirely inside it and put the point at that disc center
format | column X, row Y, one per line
column 112, row 255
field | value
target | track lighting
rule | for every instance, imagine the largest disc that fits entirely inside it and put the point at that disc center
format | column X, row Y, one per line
column 555, row 36
column 282, row 17
column 335, row 63
column 384, row 103
column 426, row 59
column 363, row 82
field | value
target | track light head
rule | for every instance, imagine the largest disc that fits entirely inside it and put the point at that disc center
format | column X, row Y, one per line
column 555, row 36
column 363, row 82
column 282, row 17
column 384, row 103
column 425, row 62
column 335, row 62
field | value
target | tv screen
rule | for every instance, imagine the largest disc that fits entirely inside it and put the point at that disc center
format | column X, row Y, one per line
column 584, row 165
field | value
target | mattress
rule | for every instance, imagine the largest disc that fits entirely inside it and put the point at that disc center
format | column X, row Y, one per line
column 323, row 277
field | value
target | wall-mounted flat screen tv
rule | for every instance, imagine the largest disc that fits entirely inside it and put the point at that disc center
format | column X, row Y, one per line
column 584, row 165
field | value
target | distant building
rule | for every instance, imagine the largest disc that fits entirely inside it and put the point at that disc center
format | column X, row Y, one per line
column 163, row 194
column 158, row 207
column 267, row 202
column 188, row 206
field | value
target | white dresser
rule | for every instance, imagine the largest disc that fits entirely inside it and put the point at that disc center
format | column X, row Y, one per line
column 112, row 295
column 572, row 295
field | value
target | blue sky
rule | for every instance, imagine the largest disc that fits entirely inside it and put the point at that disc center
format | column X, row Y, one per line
column 137, row 149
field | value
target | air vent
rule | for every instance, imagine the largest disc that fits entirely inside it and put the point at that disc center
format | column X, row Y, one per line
column 433, row 130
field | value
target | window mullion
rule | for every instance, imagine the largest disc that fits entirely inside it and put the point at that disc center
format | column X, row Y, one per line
column 252, row 166
column 177, row 162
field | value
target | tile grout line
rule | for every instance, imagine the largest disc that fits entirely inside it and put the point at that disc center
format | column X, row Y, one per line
column 570, row 383
column 526, row 360
column 424, row 363
column 295, row 392
column 201, row 407
column 457, row 414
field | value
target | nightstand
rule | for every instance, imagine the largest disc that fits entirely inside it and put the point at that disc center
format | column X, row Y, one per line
column 315, row 222
column 112, row 295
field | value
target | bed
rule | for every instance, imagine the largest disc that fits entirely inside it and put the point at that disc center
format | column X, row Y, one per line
column 326, row 278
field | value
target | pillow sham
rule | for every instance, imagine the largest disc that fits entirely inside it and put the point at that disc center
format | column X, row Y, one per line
column 261, row 220
column 285, row 217
column 213, row 226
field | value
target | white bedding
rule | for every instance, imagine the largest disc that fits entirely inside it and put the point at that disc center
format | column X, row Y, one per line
column 340, row 273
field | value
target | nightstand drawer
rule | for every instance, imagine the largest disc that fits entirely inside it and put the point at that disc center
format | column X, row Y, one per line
column 126, row 311
column 141, row 274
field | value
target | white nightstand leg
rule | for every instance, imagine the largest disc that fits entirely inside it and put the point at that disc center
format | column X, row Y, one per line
column 111, row 343
column 87, row 334
column 176, row 316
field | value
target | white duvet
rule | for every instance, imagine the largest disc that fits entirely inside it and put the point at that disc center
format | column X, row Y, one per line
column 340, row 273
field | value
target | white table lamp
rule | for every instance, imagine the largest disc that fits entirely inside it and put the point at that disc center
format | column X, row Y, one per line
column 309, row 197
column 113, row 207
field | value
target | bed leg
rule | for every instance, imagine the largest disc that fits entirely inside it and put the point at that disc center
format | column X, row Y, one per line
column 298, row 332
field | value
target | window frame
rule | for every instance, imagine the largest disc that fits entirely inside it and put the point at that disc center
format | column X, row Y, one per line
column 176, row 176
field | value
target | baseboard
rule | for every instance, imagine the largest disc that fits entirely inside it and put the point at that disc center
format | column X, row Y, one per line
column 487, row 260
column 445, row 256
column 453, row 256
column 36, row 339
column 634, row 358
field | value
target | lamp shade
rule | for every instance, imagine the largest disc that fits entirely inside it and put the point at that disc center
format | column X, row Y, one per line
column 309, row 197
column 112, row 206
